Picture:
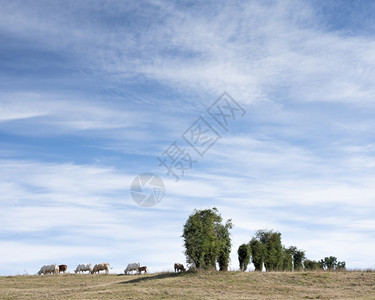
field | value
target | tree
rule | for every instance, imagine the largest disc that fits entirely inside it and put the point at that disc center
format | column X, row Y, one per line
column 225, row 245
column 298, row 258
column 311, row 265
column 244, row 254
column 257, row 254
column 321, row 264
column 273, row 249
column 207, row 241
column 330, row 263
column 287, row 260
column 341, row 265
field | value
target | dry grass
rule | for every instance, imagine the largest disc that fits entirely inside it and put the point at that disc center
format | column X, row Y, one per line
column 201, row 285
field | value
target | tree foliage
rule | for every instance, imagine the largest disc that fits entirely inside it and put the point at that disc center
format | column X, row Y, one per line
column 341, row 265
column 298, row 258
column 207, row 241
column 257, row 254
column 224, row 246
column 311, row 265
column 287, row 260
column 331, row 263
column 272, row 249
column 244, row 254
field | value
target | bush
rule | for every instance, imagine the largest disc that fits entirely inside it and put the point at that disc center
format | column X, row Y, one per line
column 244, row 254
column 257, row 254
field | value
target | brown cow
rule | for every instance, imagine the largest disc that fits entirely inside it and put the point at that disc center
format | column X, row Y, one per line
column 140, row 269
column 63, row 268
column 179, row 267
column 101, row 267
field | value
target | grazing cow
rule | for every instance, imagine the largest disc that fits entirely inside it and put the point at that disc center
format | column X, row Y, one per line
column 101, row 267
column 83, row 267
column 179, row 267
column 140, row 269
column 63, row 268
column 132, row 267
column 49, row 269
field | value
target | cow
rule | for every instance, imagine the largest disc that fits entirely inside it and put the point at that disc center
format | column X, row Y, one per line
column 140, row 269
column 132, row 267
column 101, row 267
column 179, row 267
column 49, row 269
column 83, row 267
column 63, row 268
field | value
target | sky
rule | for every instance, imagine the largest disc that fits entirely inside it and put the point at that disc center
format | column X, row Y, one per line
column 95, row 93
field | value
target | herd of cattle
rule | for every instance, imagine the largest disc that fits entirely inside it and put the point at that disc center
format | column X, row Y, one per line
column 57, row 269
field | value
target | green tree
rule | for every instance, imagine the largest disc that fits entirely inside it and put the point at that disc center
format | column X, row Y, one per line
column 225, row 246
column 207, row 240
column 257, row 254
column 330, row 263
column 287, row 260
column 244, row 254
column 273, row 249
column 298, row 258
column 311, row 265
column 341, row 265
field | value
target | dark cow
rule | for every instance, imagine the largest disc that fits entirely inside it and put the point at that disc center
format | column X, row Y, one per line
column 179, row 267
column 63, row 268
column 140, row 269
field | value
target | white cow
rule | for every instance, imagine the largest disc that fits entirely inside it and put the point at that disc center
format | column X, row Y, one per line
column 101, row 267
column 83, row 267
column 132, row 267
column 49, row 269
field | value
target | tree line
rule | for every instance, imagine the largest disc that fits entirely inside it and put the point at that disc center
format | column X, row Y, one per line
column 208, row 244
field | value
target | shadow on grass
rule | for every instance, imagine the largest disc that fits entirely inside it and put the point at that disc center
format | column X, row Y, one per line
column 143, row 278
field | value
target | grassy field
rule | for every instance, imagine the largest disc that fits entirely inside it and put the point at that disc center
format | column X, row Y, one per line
column 201, row 285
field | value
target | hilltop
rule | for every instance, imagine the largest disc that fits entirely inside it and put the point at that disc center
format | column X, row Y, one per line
column 200, row 285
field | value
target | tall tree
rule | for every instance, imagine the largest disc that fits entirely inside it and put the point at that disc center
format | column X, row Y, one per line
column 207, row 241
column 273, row 249
column 287, row 260
column 225, row 246
column 244, row 254
column 257, row 254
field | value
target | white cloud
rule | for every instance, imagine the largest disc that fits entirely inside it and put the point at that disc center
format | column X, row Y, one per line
column 243, row 48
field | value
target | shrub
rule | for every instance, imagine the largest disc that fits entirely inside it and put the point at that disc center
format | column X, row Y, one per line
column 244, row 254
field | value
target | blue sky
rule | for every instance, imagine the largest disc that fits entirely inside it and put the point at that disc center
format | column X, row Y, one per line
column 92, row 92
